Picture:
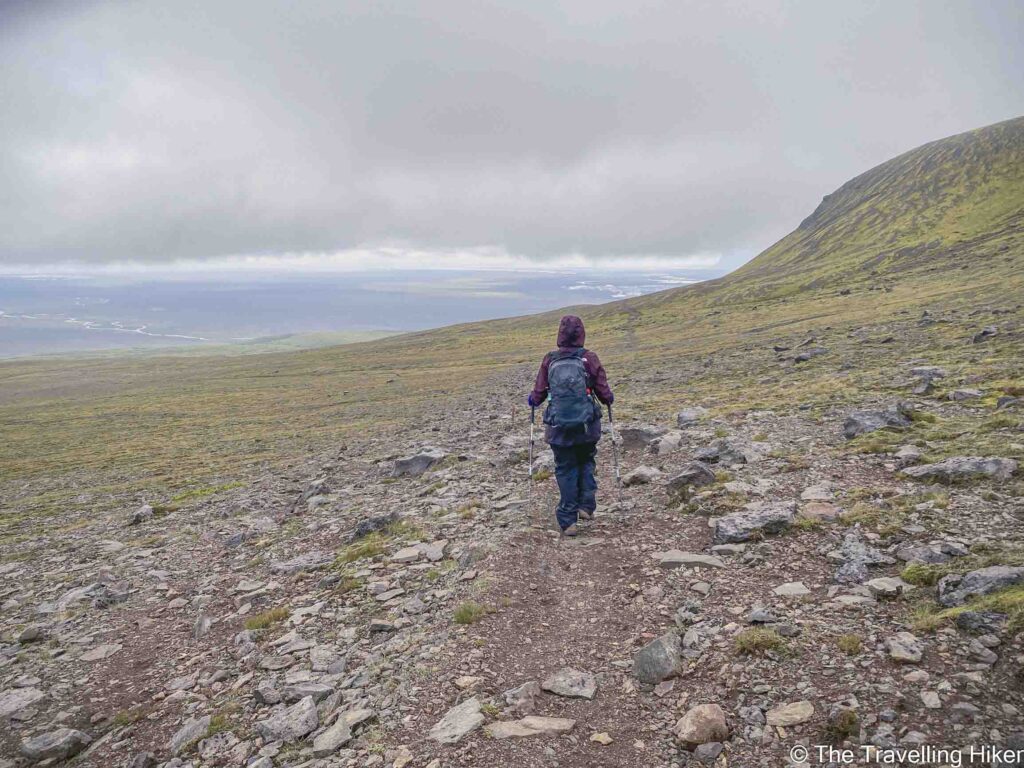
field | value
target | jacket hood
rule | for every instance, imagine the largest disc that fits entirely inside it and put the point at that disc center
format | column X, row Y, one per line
column 571, row 332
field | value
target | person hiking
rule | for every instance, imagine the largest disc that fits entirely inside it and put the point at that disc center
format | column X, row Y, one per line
column 572, row 376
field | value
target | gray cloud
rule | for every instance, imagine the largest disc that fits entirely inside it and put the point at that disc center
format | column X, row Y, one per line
column 156, row 131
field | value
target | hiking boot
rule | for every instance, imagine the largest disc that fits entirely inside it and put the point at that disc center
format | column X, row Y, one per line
column 584, row 514
column 572, row 530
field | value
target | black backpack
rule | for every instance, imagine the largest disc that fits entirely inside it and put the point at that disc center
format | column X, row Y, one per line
column 572, row 405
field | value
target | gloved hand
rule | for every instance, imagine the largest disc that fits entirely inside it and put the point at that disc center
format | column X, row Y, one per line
column 529, row 400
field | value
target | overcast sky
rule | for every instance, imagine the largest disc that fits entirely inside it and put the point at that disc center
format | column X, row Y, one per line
column 468, row 133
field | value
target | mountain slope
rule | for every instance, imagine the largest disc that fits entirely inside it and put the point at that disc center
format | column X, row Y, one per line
column 947, row 203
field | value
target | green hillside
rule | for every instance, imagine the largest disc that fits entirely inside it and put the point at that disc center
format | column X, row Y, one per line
column 940, row 228
column 953, row 203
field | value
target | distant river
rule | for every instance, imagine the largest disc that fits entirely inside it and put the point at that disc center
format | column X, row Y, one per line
column 47, row 315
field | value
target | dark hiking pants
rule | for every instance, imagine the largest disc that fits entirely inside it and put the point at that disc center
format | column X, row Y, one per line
column 574, row 470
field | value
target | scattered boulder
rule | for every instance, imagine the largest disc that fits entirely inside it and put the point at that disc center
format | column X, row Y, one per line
column 786, row 715
column 332, row 739
column 659, row 660
column 642, row 475
column 702, row 724
column 373, row 524
column 904, row 648
column 190, row 732
column 863, row 422
column 524, row 698
column 810, row 354
column 639, row 435
column 689, row 417
column 418, row 463
column 666, row 444
column 729, row 451
column 313, row 560
column 290, row 724
column 529, row 726
column 985, row 334
column 16, row 699
column 957, row 590
column 693, row 475
column 907, row 456
column 141, row 515
column 960, row 395
column 571, row 683
column 457, row 722
column 676, row 559
column 760, row 519
column 855, row 557
column 960, row 468
column 55, row 745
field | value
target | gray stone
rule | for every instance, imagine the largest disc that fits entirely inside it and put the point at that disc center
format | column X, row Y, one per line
column 693, row 475
column 667, row 443
column 908, row 455
column 767, row 518
column 16, row 699
column 332, row 739
column 659, row 660
column 141, row 515
column 729, row 451
column 959, row 395
column 863, row 422
column 418, row 463
column 290, row 724
column 524, row 698
column 954, row 590
column 406, row 555
column 676, row 559
column 786, row 715
column 317, row 691
column 190, row 732
column 886, row 587
column 642, row 475
column 638, row 435
column 689, row 417
column 457, row 722
column 702, row 724
column 55, row 745
column 571, row 683
column 308, row 561
column 529, row 726
column 904, row 648
column 792, row 589
column 961, row 468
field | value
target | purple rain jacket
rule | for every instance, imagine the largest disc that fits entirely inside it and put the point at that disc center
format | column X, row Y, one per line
column 571, row 336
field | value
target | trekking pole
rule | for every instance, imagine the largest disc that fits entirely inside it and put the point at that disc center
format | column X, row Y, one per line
column 615, row 452
column 532, row 412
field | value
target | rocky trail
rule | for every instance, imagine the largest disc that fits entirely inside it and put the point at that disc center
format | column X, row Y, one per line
column 405, row 601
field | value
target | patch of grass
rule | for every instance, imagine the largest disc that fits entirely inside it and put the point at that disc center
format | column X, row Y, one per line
column 850, row 644
column 218, row 724
column 470, row 613
column 721, row 432
column 468, row 508
column 347, row 584
column 194, row 494
column 371, row 545
column 868, row 515
column 842, row 726
column 267, row 619
column 723, row 476
column 999, row 422
column 127, row 717
column 923, row 574
column 807, row 523
column 757, row 641
column 490, row 709
column 1009, row 601
column 541, row 474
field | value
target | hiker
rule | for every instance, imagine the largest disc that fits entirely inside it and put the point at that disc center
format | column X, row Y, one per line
column 572, row 376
